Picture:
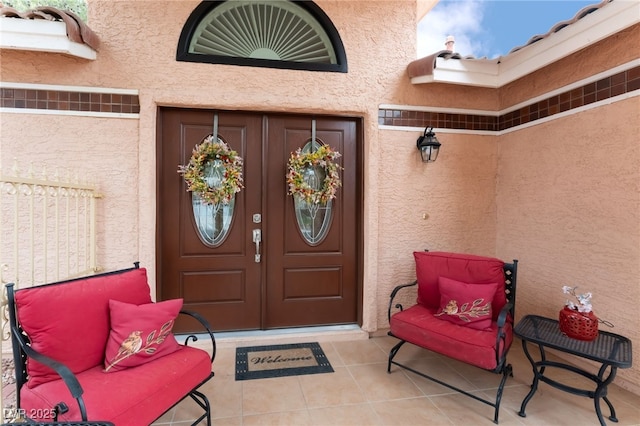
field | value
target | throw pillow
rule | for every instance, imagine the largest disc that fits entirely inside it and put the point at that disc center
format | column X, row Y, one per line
column 140, row 333
column 465, row 303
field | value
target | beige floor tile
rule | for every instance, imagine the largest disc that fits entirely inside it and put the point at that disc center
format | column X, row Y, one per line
column 330, row 389
column 360, row 352
column 272, row 395
column 187, row 411
column 550, row 406
column 406, row 352
column 413, row 411
column 331, row 354
column 626, row 404
column 626, row 413
column 618, row 393
column 505, row 418
column 384, row 342
column 463, row 410
column 437, row 369
column 225, row 362
column 229, row 421
column 378, row 385
column 360, row 392
column 225, row 396
column 286, row 418
column 512, row 398
column 479, row 378
column 345, row 415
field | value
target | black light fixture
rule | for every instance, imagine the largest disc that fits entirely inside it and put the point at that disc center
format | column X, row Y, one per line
column 428, row 145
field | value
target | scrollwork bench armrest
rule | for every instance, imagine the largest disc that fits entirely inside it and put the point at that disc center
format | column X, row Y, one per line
column 501, row 337
column 205, row 325
column 393, row 295
column 62, row 370
column 502, row 317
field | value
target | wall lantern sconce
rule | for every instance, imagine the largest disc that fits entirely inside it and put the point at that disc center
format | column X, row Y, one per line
column 428, row 145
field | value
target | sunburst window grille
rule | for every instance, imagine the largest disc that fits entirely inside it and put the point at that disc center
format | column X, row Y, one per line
column 278, row 34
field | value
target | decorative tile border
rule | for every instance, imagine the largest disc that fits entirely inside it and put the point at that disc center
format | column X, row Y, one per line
column 122, row 103
column 69, row 100
column 440, row 120
column 618, row 84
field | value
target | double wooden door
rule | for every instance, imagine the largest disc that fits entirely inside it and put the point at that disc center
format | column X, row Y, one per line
column 292, row 282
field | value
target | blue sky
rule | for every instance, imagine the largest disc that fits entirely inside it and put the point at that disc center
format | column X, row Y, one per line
column 491, row 28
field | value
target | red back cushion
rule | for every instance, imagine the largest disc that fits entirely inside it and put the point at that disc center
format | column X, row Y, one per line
column 140, row 333
column 69, row 322
column 467, row 268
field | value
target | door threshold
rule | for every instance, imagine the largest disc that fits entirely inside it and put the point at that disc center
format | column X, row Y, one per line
column 332, row 333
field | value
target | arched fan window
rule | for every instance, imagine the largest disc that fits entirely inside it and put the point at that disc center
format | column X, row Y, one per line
column 262, row 33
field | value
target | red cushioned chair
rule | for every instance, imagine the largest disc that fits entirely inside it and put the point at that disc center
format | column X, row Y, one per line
column 60, row 334
column 464, row 310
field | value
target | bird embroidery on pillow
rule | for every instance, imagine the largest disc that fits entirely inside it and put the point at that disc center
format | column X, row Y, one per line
column 130, row 346
column 451, row 308
column 476, row 310
column 133, row 344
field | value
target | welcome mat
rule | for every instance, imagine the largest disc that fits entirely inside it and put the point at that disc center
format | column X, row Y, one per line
column 260, row 362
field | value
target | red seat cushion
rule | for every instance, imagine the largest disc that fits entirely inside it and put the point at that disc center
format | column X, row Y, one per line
column 430, row 266
column 131, row 397
column 419, row 326
column 70, row 322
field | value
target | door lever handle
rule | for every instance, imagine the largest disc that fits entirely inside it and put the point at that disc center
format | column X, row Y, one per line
column 257, row 238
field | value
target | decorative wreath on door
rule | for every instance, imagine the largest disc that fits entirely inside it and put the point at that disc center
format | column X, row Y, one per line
column 323, row 157
column 211, row 149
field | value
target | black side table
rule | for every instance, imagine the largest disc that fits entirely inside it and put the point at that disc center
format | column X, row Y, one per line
column 611, row 350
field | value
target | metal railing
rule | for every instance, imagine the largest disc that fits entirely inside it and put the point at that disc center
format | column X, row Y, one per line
column 47, row 233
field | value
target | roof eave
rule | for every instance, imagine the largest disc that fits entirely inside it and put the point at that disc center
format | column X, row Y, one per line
column 41, row 35
column 476, row 72
column 603, row 23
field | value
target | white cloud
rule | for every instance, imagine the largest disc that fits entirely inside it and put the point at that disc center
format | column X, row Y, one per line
column 461, row 19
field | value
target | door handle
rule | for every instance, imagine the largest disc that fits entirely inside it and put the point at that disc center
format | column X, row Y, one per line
column 257, row 238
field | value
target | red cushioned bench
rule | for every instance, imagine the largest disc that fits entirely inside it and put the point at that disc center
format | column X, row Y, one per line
column 464, row 310
column 97, row 348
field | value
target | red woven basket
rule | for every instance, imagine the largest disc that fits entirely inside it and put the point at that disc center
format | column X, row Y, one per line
column 578, row 325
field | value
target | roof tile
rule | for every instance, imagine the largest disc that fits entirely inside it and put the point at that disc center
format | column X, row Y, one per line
column 77, row 29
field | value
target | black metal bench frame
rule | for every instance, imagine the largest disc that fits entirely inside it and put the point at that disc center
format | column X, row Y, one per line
column 22, row 350
column 502, row 367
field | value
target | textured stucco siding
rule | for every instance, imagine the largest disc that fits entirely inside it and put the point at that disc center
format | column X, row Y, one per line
column 569, row 207
column 98, row 151
column 448, row 205
column 568, row 197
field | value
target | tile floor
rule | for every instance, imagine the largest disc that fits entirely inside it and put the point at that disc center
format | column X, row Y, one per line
column 360, row 392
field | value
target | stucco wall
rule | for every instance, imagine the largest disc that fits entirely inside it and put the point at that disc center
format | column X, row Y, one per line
column 569, row 207
column 568, row 197
column 447, row 205
column 98, row 151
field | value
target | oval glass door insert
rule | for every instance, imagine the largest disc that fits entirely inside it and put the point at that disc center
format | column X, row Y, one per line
column 314, row 219
column 213, row 221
